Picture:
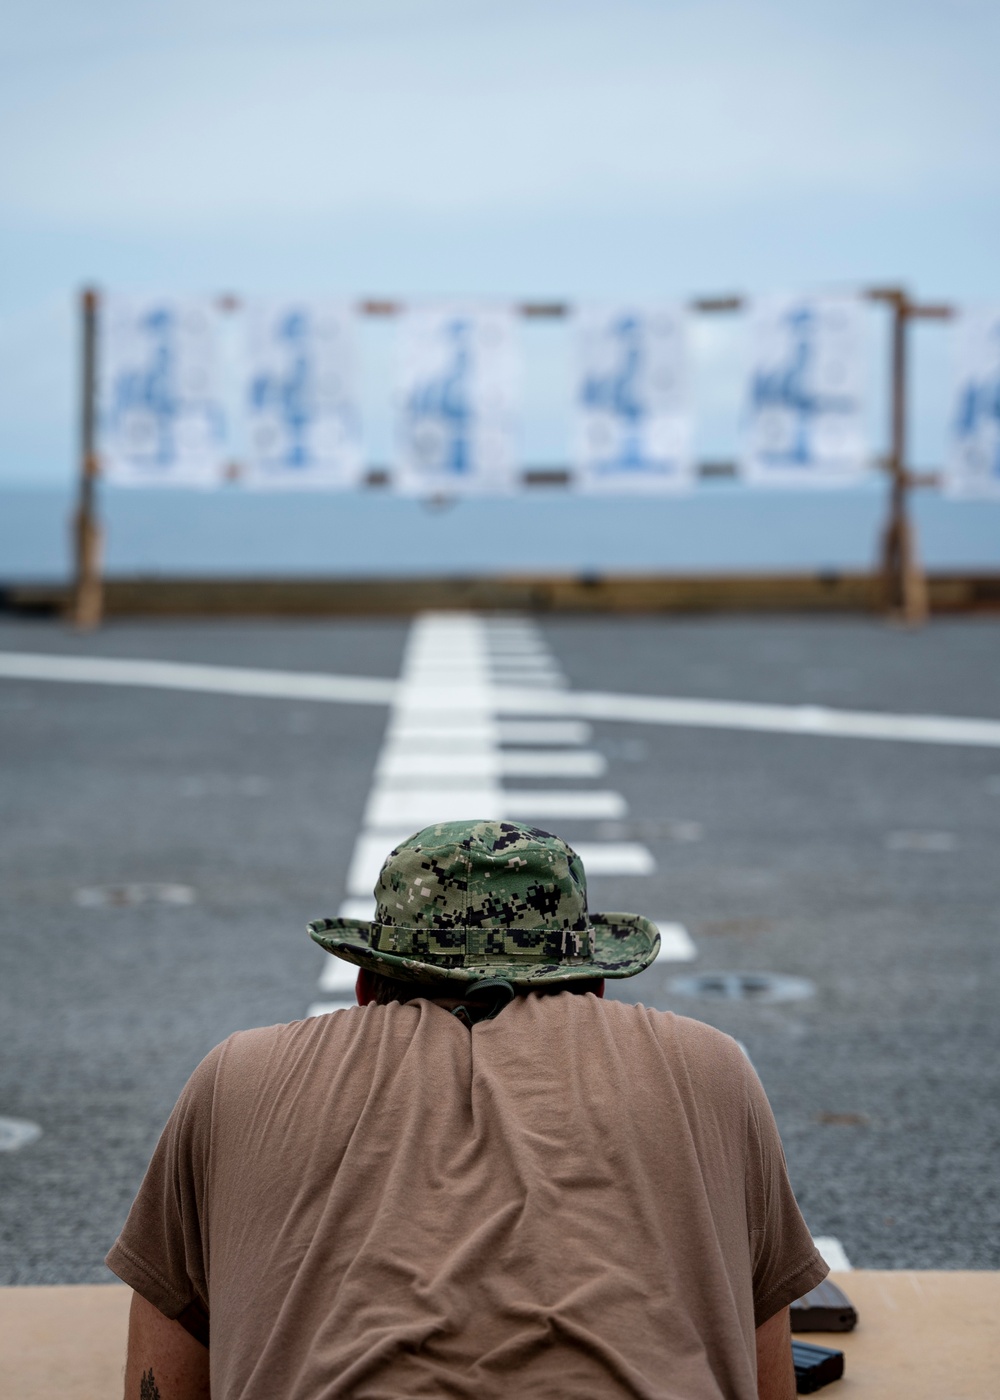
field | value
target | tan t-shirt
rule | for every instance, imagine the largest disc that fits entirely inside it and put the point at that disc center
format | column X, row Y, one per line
column 578, row 1199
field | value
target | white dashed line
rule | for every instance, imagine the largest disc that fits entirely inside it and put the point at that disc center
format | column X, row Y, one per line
column 419, row 807
column 615, row 857
column 402, row 760
column 358, row 908
column 676, row 944
column 552, row 763
column 543, row 806
column 338, row 976
column 370, row 850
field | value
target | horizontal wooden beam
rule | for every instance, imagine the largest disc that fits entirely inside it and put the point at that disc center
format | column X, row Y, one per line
column 828, row 591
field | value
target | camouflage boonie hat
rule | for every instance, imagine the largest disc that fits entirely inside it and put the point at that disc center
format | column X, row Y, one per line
column 462, row 901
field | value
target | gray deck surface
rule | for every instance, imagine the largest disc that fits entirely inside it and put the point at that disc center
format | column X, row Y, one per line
column 885, row 1084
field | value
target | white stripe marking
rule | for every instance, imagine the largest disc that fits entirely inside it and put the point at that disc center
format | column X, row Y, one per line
column 535, row 682
column 398, row 761
column 443, row 740
column 812, row 720
column 420, row 807
column 599, row 858
column 676, row 944
column 833, row 1252
column 546, row 763
column 399, row 764
column 588, row 806
column 370, row 850
column 615, row 857
column 338, row 976
column 415, row 807
column 359, row 908
column 219, row 680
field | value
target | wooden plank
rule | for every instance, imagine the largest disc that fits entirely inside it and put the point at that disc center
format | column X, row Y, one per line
column 588, row 593
column 63, row 1343
column 921, row 1336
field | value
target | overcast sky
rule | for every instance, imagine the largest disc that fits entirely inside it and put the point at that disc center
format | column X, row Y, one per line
column 633, row 147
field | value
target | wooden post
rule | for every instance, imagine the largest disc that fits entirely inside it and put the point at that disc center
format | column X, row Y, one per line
column 88, row 592
column 903, row 586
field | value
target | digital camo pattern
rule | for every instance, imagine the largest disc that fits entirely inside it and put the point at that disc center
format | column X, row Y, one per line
column 462, row 900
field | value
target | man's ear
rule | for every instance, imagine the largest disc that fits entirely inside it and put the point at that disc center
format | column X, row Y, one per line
column 363, row 987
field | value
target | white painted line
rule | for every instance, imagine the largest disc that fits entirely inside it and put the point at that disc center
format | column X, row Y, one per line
column 470, row 700
column 833, row 1252
column 587, row 806
column 397, row 765
column 359, row 908
column 442, row 740
column 338, row 976
column 370, row 851
column 391, row 808
column 436, row 673
column 372, row 847
column 402, row 762
column 175, row 675
column 544, row 731
column 810, row 720
column 326, row 1008
column 676, row 944
column 615, row 857
column 552, row 763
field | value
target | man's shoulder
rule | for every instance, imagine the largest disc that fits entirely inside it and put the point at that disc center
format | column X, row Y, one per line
column 668, row 1025
column 262, row 1045
column 679, row 1035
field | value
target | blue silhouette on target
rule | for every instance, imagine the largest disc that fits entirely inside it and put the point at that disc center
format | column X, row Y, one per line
column 150, row 391
column 787, row 387
column 288, row 396
column 619, row 395
column 978, row 411
column 446, row 398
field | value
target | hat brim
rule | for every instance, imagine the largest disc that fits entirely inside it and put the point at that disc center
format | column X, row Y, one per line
column 624, row 945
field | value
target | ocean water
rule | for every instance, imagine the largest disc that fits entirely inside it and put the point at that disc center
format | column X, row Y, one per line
column 722, row 527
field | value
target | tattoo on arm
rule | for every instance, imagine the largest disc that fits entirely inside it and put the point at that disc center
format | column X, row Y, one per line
column 148, row 1389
